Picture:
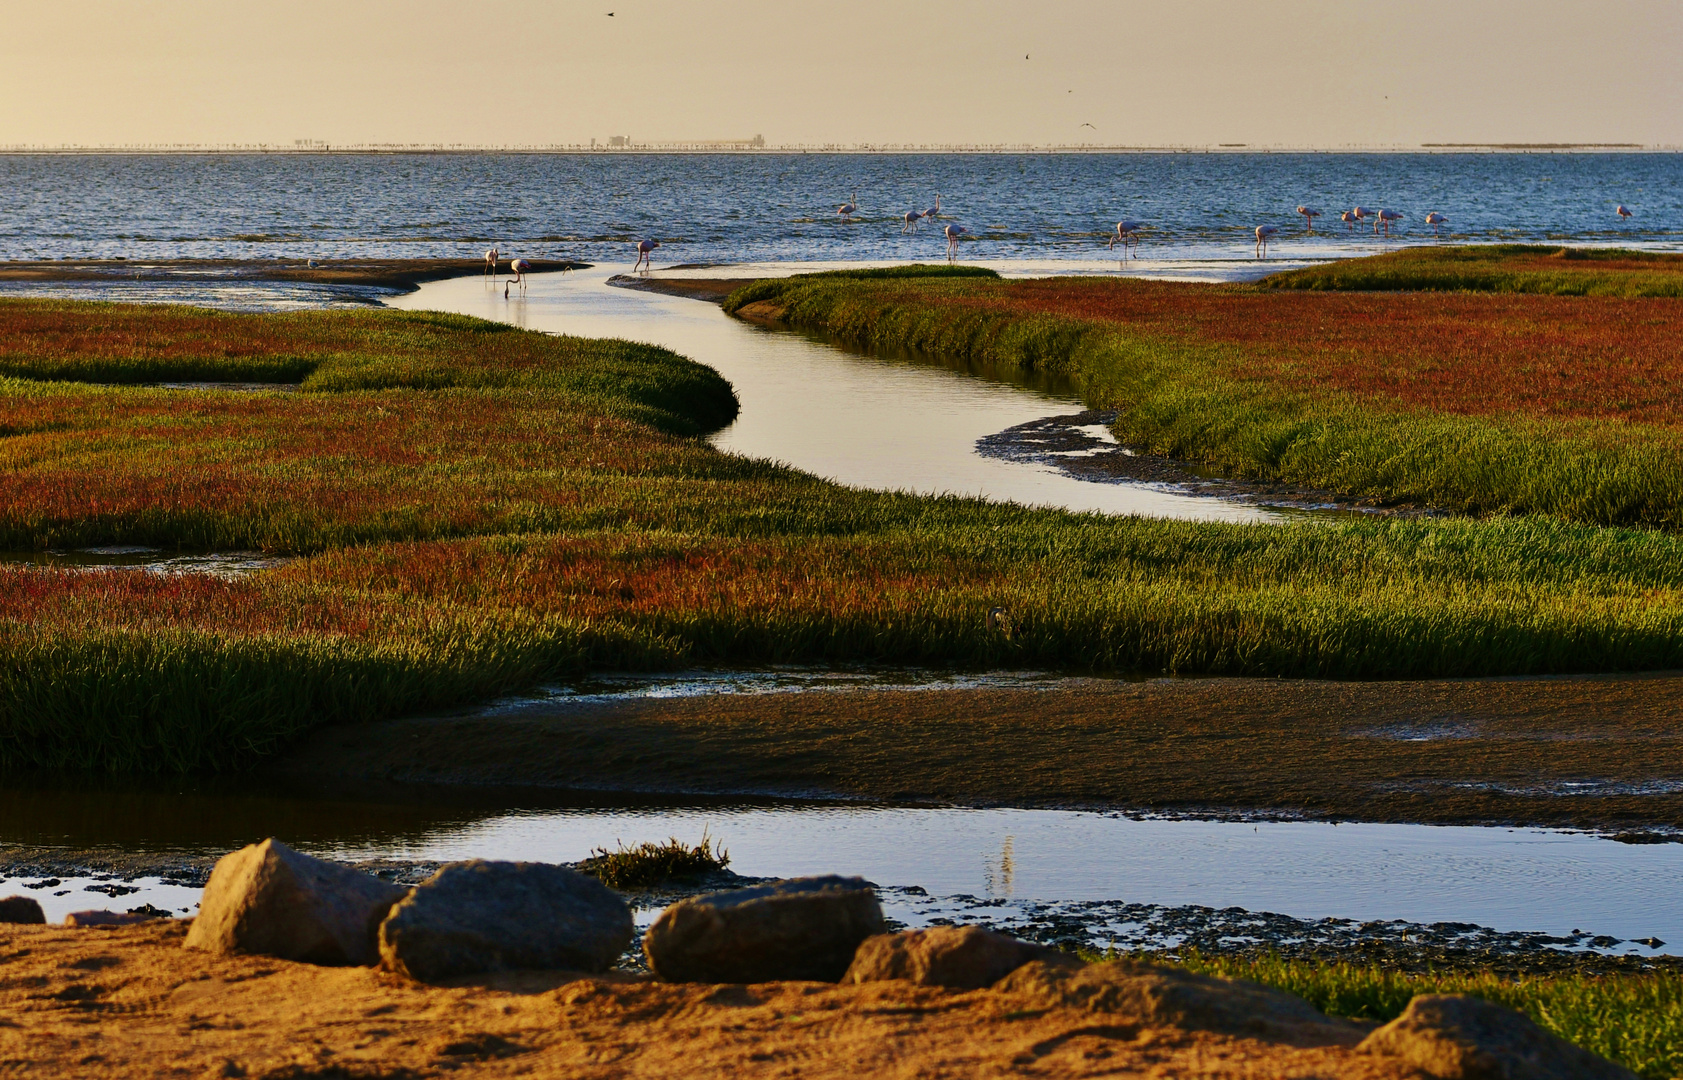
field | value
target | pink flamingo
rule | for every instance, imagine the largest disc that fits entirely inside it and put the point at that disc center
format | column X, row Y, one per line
column 1127, row 232
column 517, row 267
column 1264, row 233
column 1623, row 212
column 953, row 233
column 1361, row 213
column 911, row 219
column 1349, row 219
column 644, row 248
column 848, row 209
column 1309, row 215
column 934, row 211
column 491, row 261
column 1434, row 219
column 1385, row 217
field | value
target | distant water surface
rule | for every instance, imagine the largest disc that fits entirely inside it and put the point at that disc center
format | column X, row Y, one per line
column 775, row 207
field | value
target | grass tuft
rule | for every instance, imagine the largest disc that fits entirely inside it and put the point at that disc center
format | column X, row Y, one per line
column 650, row 864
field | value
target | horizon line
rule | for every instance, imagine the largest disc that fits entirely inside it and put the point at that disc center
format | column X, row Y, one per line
column 751, row 147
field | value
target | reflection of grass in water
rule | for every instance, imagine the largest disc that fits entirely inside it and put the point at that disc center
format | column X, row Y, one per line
column 650, row 864
column 1636, row 1020
column 1472, row 402
column 485, row 509
column 1511, row 268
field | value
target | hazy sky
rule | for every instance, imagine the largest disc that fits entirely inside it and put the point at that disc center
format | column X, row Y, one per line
column 1299, row 72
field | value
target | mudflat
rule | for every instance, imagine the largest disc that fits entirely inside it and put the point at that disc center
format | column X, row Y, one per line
column 1582, row 752
column 134, row 1002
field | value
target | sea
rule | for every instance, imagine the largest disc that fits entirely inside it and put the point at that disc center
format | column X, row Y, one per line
column 1026, row 210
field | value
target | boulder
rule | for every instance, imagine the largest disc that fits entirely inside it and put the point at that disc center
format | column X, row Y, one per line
column 804, row 928
column 1163, row 997
column 271, row 900
column 21, row 909
column 480, row 916
column 1466, row 1038
column 106, row 917
column 957, row 957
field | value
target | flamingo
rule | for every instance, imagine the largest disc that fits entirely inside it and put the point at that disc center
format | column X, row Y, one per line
column 1127, row 232
column 848, row 209
column 911, row 218
column 644, row 247
column 1349, row 219
column 1264, row 233
column 934, row 211
column 1361, row 213
column 1385, row 217
column 518, row 268
column 1309, row 215
column 953, row 233
column 491, row 261
column 1434, row 219
column 1623, row 212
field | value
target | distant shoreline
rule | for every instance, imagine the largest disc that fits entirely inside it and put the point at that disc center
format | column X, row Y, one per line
column 403, row 275
column 890, row 150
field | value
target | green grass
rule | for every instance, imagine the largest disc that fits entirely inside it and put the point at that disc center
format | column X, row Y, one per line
column 650, row 864
column 1507, row 268
column 1635, row 1020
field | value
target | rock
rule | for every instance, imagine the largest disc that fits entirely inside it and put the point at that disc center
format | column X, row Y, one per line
column 479, row 916
column 805, row 928
column 271, row 900
column 1164, row 997
column 21, row 909
column 1466, row 1038
column 958, row 957
column 104, row 917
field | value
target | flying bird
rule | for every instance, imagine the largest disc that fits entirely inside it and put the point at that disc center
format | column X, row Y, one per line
column 1086, row 125
column 1264, row 233
column 1309, row 215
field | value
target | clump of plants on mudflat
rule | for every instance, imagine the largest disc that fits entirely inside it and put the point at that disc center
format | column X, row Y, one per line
column 650, row 864
column 1474, row 403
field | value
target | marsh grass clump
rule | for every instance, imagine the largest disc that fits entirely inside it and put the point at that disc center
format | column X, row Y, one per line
column 650, row 864
column 1634, row 1019
column 1503, row 268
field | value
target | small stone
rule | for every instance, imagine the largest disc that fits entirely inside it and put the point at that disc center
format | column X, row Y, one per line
column 957, row 957
column 804, row 928
column 21, row 909
column 480, row 916
column 273, row 901
column 104, row 917
column 1465, row 1038
column 1154, row 996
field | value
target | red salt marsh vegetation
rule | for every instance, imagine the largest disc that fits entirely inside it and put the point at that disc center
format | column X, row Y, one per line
column 1507, row 402
column 479, row 508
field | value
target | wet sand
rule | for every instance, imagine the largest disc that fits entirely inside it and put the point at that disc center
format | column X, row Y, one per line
column 1601, row 753
column 402, row 275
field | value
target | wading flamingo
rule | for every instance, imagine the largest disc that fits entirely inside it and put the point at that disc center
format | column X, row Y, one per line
column 1264, row 233
column 518, row 268
column 1361, row 213
column 1309, row 215
column 910, row 218
column 491, row 255
column 1349, row 219
column 1385, row 217
column 644, row 248
column 1623, row 212
column 1434, row 219
column 953, row 233
column 934, row 211
column 848, row 209
column 1127, row 233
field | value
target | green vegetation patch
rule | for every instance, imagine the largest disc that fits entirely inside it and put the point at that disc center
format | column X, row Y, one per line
column 650, row 864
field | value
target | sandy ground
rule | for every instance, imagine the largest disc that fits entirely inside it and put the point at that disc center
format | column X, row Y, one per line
column 133, row 1002
column 403, row 274
column 1589, row 752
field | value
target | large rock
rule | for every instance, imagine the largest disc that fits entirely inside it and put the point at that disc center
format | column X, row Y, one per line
column 1164, row 997
column 21, row 909
column 1464, row 1038
column 958, row 957
column 804, row 928
column 272, row 900
column 479, row 916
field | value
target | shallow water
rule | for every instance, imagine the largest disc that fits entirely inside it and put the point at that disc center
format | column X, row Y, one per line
column 868, row 421
column 743, row 208
column 226, row 564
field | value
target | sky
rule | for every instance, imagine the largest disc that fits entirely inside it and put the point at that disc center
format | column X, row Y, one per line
column 1140, row 72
